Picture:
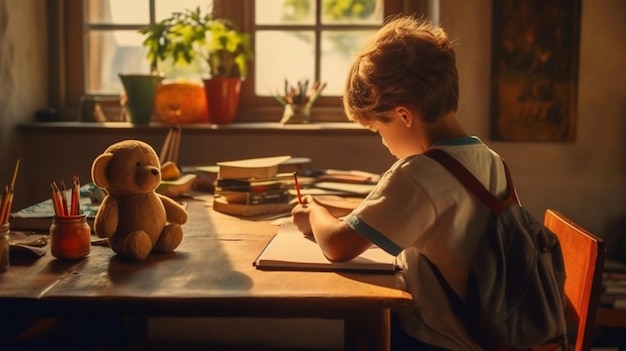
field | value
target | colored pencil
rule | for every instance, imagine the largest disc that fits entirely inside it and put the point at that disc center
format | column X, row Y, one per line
column 63, row 191
column 297, row 185
column 7, row 198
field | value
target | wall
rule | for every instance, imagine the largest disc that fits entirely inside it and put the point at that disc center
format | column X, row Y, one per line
column 68, row 151
column 586, row 179
column 23, row 76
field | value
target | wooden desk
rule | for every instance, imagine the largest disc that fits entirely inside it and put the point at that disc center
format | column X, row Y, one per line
column 210, row 274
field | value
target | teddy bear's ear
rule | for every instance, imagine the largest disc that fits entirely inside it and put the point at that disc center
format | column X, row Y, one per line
column 98, row 169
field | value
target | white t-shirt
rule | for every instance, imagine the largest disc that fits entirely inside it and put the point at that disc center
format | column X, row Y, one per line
column 417, row 208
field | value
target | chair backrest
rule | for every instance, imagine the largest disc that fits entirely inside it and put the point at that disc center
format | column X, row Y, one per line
column 583, row 255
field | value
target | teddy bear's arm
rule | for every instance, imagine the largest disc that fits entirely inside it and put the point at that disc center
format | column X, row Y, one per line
column 175, row 212
column 107, row 218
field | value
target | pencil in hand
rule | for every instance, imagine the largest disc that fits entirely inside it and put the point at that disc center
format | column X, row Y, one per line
column 297, row 186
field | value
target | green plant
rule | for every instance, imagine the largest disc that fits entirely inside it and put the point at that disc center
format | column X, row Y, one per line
column 192, row 34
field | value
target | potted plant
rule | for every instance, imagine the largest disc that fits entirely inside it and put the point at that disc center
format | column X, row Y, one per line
column 193, row 36
column 140, row 91
column 176, row 101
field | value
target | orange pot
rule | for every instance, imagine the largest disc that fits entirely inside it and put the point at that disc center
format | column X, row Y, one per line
column 181, row 103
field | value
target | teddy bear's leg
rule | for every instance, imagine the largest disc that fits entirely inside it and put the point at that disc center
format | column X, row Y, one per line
column 170, row 238
column 136, row 245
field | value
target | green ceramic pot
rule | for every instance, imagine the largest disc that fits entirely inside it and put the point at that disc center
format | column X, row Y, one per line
column 140, row 92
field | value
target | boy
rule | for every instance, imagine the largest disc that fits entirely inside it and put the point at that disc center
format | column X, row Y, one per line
column 403, row 85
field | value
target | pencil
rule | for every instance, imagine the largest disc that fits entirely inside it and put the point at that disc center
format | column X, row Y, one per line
column 55, row 202
column 17, row 166
column 297, row 185
column 76, row 193
column 73, row 198
column 4, row 204
column 6, row 211
column 57, row 198
column 64, row 198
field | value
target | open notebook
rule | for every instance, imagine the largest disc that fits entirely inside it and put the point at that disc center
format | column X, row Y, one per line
column 289, row 249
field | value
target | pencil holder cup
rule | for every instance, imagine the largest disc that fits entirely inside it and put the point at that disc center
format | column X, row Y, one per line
column 4, row 247
column 70, row 237
column 296, row 113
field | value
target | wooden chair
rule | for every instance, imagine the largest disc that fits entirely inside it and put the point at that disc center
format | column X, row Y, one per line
column 583, row 255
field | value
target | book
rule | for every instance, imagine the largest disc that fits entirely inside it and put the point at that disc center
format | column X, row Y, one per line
column 353, row 189
column 279, row 178
column 262, row 167
column 339, row 202
column 230, row 184
column 207, row 177
column 613, row 294
column 614, row 266
column 254, row 197
column 293, row 164
column 176, row 187
column 289, row 249
column 342, row 176
column 236, row 209
column 38, row 217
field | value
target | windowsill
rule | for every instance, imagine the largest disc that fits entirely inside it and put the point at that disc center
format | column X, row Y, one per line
column 234, row 128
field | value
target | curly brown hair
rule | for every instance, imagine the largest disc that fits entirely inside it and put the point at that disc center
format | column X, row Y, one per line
column 408, row 62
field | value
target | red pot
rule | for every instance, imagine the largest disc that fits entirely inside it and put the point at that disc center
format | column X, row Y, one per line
column 223, row 98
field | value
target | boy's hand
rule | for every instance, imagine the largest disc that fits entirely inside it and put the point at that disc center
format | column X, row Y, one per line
column 300, row 215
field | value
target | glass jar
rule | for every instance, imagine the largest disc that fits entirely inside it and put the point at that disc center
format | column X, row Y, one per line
column 296, row 113
column 4, row 247
column 70, row 237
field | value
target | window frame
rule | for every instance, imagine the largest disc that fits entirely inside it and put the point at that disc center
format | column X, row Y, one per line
column 66, row 37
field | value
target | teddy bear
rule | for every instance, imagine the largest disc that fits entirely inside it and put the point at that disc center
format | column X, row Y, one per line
column 135, row 219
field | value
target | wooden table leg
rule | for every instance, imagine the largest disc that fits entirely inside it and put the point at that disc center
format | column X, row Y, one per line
column 367, row 329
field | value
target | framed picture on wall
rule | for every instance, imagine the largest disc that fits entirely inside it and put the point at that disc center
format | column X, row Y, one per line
column 534, row 76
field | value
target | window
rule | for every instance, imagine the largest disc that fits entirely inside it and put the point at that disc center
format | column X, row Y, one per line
column 293, row 40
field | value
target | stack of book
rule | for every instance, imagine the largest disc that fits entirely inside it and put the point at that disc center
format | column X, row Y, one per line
column 207, row 175
column 252, row 187
column 613, row 293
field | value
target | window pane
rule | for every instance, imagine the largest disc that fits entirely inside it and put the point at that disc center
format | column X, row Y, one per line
column 283, row 55
column 110, row 53
column 338, row 49
column 272, row 12
column 352, row 12
column 137, row 12
column 164, row 8
column 117, row 11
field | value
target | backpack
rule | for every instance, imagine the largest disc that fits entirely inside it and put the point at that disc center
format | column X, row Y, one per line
column 515, row 290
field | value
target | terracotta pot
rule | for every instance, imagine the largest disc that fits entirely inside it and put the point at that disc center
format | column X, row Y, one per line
column 181, row 103
column 222, row 96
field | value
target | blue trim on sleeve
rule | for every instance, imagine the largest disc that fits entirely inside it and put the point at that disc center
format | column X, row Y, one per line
column 459, row 141
column 372, row 234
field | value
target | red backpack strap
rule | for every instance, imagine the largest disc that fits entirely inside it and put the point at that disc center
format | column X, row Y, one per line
column 472, row 184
